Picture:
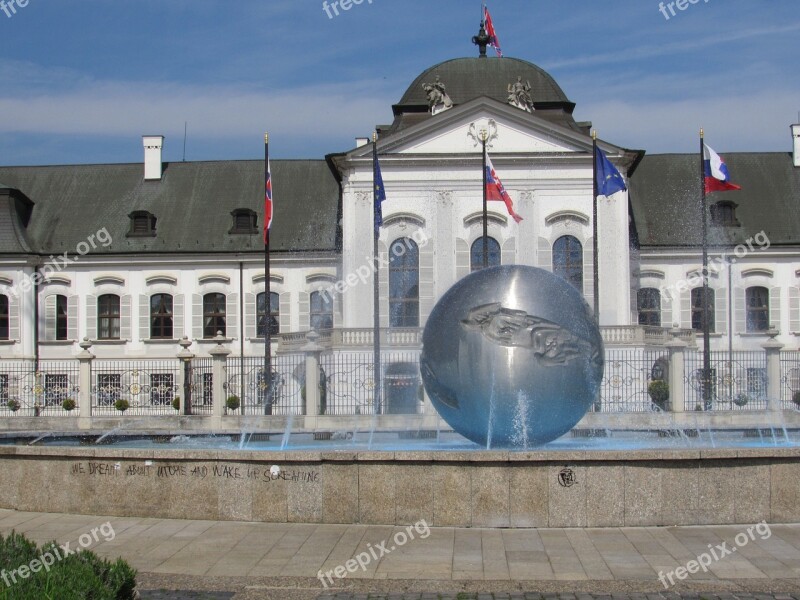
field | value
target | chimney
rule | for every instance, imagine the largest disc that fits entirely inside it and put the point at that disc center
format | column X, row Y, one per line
column 796, row 137
column 152, row 156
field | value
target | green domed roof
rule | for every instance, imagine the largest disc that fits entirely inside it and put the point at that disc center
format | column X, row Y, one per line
column 470, row 78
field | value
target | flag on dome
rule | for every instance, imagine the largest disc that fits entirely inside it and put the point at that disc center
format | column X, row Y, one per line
column 717, row 177
column 496, row 191
column 494, row 41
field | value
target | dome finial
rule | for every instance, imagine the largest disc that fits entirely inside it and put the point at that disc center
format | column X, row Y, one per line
column 482, row 39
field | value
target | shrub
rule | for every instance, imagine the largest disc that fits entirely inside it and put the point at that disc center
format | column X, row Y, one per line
column 659, row 393
column 76, row 577
column 13, row 405
column 741, row 399
column 122, row 405
column 795, row 398
column 233, row 403
column 68, row 404
column 176, row 403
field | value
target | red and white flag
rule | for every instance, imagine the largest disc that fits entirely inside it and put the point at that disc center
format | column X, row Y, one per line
column 268, row 204
column 494, row 41
column 496, row 191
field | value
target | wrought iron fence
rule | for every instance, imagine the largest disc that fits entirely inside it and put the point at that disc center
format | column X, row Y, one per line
column 738, row 381
column 628, row 373
column 201, row 387
column 50, row 389
column 135, row 387
column 246, row 380
column 790, row 380
column 349, row 383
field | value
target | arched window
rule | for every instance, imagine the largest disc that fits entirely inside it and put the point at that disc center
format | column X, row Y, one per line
column 161, row 317
column 568, row 260
column 4, row 329
column 213, row 315
column 476, row 253
column 404, row 283
column 757, row 299
column 108, row 317
column 648, row 302
column 697, row 309
column 274, row 314
column 61, row 317
column 321, row 311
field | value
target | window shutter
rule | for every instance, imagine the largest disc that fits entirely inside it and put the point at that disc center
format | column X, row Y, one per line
column 285, row 318
column 72, row 317
column 231, row 316
column 794, row 309
column 686, row 309
column 721, row 302
column 383, row 253
column 462, row 258
column 588, row 271
column 545, row 255
column 250, row 319
column 144, row 317
column 197, row 316
column 425, row 283
column 508, row 256
column 91, row 317
column 305, row 311
column 125, row 317
column 178, row 324
column 13, row 318
column 50, row 318
column 666, row 310
column 775, row 309
column 739, row 311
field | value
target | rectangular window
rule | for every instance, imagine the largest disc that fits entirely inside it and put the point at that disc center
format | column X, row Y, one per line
column 61, row 317
column 109, row 388
column 162, row 389
column 56, row 388
column 3, row 390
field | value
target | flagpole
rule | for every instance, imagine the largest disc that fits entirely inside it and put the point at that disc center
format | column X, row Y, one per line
column 484, row 137
column 706, row 323
column 595, row 243
column 376, row 333
column 268, row 300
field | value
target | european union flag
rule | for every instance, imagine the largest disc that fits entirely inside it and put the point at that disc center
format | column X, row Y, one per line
column 609, row 181
column 380, row 193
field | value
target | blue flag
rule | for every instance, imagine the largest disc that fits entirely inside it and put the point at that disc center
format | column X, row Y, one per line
column 380, row 194
column 609, row 181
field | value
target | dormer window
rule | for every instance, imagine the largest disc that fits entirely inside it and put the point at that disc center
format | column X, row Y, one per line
column 723, row 214
column 244, row 222
column 143, row 224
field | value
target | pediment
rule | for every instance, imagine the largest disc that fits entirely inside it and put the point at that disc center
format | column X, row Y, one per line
column 510, row 130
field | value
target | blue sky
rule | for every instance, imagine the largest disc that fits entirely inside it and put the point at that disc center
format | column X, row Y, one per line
column 81, row 81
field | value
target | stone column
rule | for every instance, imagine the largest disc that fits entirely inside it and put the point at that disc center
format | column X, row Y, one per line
column 184, row 383
column 773, row 349
column 219, row 354
column 312, row 350
column 677, row 368
column 85, row 380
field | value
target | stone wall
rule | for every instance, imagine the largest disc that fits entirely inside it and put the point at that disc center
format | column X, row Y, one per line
column 471, row 489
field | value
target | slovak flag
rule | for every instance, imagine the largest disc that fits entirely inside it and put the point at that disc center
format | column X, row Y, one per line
column 268, row 203
column 716, row 171
column 496, row 191
column 494, row 41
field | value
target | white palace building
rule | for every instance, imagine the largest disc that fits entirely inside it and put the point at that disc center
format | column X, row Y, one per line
column 135, row 257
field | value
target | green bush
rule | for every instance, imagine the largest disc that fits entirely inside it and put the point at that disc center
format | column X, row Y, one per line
column 68, row 404
column 75, row 577
column 741, row 399
column 13, row 405
column 122, row 405
column 658, row 391
column 233, row 403
column 795, row 398
column 176, row 403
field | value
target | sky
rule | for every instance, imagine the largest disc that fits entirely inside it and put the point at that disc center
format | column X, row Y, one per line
column 82, row 80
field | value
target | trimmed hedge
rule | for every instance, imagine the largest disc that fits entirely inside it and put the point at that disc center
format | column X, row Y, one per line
column 79, row 576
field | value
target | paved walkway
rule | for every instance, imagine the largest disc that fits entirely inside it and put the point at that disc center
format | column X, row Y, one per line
column 253, row 560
